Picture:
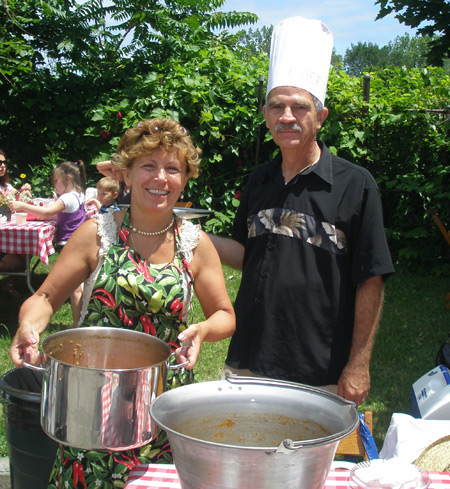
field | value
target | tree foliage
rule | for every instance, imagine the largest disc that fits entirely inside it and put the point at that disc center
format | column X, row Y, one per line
column 431, row 18
column 60, row 103
column 409, row 52
column 404, row 51
column 363, row 56
column 97, row 35
column 401, row 136
column 256, row 41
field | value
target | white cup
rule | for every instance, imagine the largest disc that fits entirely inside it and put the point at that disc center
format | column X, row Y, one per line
column 20, row 217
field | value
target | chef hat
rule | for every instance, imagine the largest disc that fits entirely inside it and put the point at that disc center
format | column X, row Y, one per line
column 300, row 56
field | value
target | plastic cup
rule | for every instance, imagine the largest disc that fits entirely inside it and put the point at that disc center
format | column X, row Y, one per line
column 20, row 218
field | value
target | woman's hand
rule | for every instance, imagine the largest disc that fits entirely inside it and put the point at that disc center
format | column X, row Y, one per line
column 25, row 347
column 192, row 339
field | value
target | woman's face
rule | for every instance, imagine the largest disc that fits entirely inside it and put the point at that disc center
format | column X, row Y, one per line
column 157, row 179
column 2, row 165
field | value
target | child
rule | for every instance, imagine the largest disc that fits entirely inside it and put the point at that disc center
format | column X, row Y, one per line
column 69, row 180
column 110, row 169
column 107, row 192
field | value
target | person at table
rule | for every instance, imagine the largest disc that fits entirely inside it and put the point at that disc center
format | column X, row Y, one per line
column 140, row 266
column 107, row 193
column 69, row 181
column 10, row 262
column 5, row 186
column 110, row 168
column 308, row 236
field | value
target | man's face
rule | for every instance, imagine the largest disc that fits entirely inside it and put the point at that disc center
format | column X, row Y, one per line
column 291, row 117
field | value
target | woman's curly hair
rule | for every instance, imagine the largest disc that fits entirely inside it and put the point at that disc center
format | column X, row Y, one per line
column 152, row 134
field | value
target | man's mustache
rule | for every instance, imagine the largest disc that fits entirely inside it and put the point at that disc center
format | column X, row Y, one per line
column 293, row 126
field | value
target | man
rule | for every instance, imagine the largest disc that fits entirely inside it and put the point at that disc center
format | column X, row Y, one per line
column 308, row 236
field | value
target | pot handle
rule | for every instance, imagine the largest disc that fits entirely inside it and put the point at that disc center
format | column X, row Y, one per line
column 237, row 379
column 33, row 367
column 177, row 365
column 42, row 369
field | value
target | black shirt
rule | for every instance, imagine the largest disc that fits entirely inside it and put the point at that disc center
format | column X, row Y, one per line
column 308, row 243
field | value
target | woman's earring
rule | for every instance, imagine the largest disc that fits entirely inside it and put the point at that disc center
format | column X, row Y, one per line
column 182, row 196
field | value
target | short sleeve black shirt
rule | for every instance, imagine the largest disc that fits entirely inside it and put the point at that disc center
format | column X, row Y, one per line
column 308, row 244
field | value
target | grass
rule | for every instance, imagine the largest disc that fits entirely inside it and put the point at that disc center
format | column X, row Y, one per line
column 414, row 324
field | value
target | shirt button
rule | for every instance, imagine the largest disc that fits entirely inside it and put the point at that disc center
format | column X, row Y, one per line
column 257, row 300
column 263, row 274
column 270, row 247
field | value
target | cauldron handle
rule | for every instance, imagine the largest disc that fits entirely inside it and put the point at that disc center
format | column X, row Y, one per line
column 238, row 379
column 33, row 367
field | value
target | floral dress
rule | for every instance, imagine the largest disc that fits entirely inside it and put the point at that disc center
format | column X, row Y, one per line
column 126, row 291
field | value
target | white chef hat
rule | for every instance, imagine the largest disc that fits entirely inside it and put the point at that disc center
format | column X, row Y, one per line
column 300, row 56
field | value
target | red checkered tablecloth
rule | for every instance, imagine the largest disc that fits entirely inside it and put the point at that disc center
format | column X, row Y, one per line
column 160, row 476
column 31, row 238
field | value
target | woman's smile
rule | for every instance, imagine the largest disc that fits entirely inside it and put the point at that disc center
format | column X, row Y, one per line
column 155, row 191
column 159, row 177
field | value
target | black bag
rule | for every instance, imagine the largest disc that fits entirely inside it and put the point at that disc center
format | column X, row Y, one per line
column 443, row 355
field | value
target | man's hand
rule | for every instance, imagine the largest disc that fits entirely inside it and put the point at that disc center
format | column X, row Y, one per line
column 354, row 384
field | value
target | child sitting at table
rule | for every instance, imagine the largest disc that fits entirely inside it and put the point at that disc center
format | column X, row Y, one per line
column 69, row 180
column 107, row 192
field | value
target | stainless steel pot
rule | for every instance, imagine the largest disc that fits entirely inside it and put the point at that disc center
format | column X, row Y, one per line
column 98, row 385
column 249, row 433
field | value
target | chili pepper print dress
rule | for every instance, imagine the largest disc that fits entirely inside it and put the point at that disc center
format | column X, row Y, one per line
column 127, row 292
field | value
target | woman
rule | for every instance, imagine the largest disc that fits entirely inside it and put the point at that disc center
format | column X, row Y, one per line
column 148, row 259
column 5, row 186
column 10, row 262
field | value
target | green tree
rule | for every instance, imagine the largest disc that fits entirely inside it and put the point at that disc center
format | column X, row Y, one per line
column 94, row 35
column 256, row 41
column 363, row 56
column 404, row 51
column 73, row 53
column 431, row 18
column 410, row 52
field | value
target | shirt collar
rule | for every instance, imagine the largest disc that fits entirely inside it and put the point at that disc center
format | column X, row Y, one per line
column 322, row 168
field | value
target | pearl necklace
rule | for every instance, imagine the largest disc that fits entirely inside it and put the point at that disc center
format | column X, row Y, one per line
column 152, row 233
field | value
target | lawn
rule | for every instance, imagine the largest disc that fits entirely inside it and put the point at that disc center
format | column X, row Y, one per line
column 415, row 322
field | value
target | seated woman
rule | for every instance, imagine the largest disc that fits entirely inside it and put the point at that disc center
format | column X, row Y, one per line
column 140, row 267
column 10, row 262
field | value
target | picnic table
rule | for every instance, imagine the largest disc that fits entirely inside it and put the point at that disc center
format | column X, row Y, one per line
column 164, row 476
column 34, row 238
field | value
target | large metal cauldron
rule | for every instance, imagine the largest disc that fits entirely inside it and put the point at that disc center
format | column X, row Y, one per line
column 248, row 433
column 98, row 385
